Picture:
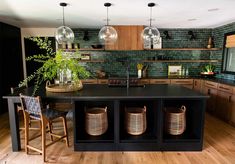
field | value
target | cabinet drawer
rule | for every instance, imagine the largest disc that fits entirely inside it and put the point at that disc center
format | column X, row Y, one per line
column 144, row 81
column 89, row 81
column 211, row 84
column 159, row 81
column 102, row 81
column 182, row 81
column 225, row 88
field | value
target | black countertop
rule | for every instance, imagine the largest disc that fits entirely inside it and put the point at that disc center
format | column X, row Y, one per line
column 100, row 91
column 214, row 79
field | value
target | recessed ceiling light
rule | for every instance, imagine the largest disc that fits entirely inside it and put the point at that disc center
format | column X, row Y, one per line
column 213, row 9
column 193, row 19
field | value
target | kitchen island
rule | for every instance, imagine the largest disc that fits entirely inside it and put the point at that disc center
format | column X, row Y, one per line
column 155, row 97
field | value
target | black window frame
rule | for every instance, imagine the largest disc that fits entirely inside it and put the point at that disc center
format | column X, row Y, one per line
column 225, row 54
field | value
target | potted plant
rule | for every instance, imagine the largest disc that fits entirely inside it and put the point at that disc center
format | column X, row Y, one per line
column 54, row 64
column 208, row 70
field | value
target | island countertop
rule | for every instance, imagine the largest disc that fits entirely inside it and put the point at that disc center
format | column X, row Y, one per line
column 93, row 91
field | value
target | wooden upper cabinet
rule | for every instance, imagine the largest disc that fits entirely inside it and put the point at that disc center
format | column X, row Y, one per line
column 129, row 38
column 230, row 41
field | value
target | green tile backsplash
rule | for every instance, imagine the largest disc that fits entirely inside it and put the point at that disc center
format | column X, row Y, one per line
column 180, row 39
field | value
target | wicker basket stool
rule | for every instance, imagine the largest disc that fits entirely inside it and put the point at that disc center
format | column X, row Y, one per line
column 135, row 120
column 96, row 121
column 175, row 120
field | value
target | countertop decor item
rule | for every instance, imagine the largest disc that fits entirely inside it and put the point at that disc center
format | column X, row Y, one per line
column 69, row 87
column 55, row 65
column 150, row 34
column 107, row 34
column 174, row 70
column 208, row 70
column 139, row 68
column 63, row 33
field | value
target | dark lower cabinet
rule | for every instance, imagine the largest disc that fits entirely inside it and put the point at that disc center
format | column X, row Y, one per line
column 11, row 60
column 155, row 138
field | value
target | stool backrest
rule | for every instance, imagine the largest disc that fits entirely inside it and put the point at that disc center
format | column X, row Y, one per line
column 31, row 105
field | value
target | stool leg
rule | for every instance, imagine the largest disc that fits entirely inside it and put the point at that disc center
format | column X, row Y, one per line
column 44, row 138
column 26, row 131
column 65, row 131
column 50, row 130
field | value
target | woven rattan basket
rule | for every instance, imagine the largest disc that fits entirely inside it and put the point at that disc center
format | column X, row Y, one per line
column 175, row 120
column 96, row 121
column 135, row 120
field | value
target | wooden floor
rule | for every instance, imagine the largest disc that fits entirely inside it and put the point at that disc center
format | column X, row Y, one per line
column 219, row 147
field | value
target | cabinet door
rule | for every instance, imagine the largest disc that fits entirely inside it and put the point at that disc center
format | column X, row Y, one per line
column 143, row 81
column 128, row 38
column 232, row 118
column 223, row 105
column 159, row 81
column 102, row 81
column 211, row 102
column 197, row 85
column 188, row 83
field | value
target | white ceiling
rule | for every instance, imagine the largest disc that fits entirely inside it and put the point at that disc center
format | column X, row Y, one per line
column 91, row 13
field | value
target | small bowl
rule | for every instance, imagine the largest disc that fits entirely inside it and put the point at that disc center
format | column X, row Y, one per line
column 208, row 74
column 97, row 46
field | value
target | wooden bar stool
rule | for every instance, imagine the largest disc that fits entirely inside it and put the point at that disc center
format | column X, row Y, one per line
column 17, row 90
column 32, row 108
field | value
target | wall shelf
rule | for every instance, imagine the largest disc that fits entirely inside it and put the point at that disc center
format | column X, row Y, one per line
column 185, row 49
column 82, row 49
column 92, row 61
column 182, row 61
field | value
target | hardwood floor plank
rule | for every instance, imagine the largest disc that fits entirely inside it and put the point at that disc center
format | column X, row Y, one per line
column 219, row 148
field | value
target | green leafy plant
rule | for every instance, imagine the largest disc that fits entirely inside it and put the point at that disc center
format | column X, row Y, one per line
column 52, row 63
column 208, row 68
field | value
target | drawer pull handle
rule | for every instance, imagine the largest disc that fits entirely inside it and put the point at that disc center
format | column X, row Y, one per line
column 224, row 88
column 229, row 99
column 209, row 91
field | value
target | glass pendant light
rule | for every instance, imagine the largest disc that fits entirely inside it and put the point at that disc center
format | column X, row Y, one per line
column 150, row 33
column 63, row 33
column 107, row 34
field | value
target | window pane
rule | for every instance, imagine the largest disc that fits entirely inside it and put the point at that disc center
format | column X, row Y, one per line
column 230, row 62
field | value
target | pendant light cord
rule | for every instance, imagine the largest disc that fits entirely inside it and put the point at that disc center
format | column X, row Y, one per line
column 150, row 23
column 107, row 15
column 63, row 17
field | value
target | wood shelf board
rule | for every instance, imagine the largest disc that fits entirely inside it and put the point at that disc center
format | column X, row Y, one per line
column 145, row 137
column 82, row 49
column 92, row 61
column 187, row 136
column 183, row 61
column 159, row 49
column 186, row 49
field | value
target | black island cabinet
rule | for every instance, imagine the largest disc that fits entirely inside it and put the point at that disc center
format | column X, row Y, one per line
column 156, row 99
